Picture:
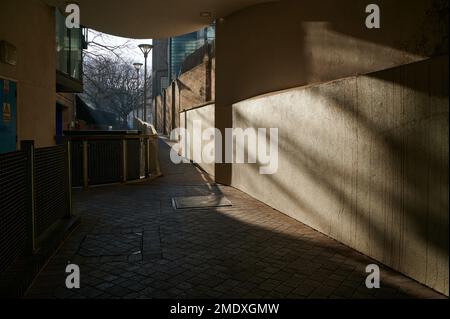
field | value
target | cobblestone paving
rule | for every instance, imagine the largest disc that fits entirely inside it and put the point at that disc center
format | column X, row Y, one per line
column 133, row 244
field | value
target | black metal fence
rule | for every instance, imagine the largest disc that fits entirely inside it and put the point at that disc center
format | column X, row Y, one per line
column 14, row 193
column 35, row 183
column 105, row 161
column 35, row 193
column 105, row 157
column 51, row 179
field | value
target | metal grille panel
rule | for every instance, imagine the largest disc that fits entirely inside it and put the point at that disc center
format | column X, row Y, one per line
column 77, row 163
column 105, row 161
column 13, row 207
column 51, row 202
column 133, row 159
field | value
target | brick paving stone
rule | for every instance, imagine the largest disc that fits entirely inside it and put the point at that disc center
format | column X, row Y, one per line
column 248, row 250
column 304, row 290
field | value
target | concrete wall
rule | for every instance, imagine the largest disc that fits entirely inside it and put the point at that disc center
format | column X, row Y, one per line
column 30, row 26
column 290, row 43
column 363, row 158
column 365, row 161
column 67, row 101
column 204, row 114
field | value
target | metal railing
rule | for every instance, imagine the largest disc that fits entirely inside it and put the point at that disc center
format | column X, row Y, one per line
column 105, row 157
column 35, row 183
column 51, row 180
column 35, row 194
column 14, row 196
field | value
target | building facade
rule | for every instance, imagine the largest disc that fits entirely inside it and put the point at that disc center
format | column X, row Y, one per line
column 172, row 59
column 40, row 70
column 160, row 66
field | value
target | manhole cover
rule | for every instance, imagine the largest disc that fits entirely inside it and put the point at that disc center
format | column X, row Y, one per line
column 200, row 201
column 102, row 245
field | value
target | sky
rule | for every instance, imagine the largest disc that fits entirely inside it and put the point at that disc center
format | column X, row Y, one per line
column 129, row 50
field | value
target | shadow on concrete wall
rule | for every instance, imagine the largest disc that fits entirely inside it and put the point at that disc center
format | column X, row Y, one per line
column 412, row 169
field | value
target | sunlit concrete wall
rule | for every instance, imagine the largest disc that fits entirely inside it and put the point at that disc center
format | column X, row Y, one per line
column 205, row 116
column 363, row 158
column 30, row 26
column 292, row 43
column 365, row 161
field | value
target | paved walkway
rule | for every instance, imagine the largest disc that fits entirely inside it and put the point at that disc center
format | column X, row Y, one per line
column 133, row 244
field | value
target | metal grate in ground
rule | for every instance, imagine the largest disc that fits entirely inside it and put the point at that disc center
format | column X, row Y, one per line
column 192, row 202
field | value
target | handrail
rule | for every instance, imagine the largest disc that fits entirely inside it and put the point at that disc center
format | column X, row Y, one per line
column 104, row 157
column 106, row 137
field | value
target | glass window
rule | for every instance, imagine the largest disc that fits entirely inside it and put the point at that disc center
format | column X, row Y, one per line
column 62, row 43
column 75, row 53
column 68, row 48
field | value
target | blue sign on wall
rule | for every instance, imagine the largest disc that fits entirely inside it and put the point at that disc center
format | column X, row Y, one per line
column 8, row 116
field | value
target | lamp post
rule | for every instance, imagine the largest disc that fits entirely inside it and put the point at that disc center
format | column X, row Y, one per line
column 145, row 48
column 137, row 66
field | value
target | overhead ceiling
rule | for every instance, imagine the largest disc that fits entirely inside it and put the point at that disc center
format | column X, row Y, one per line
column 152, row 18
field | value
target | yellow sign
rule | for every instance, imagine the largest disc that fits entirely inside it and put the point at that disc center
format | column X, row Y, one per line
column 6, row 112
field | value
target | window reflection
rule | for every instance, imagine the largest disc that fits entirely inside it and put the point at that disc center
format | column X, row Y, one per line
column 68, row 48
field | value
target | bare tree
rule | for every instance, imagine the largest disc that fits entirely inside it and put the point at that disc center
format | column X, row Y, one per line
column 110, row 80
column 103, row 45
column 111, row 85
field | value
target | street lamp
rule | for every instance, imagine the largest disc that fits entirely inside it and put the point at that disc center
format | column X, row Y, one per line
column 137, row 66
column 145, row 48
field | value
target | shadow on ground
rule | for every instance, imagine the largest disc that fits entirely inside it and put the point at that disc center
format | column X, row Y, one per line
column 133, row 244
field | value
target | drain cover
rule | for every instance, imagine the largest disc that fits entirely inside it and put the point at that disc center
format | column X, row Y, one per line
column 200, row 202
